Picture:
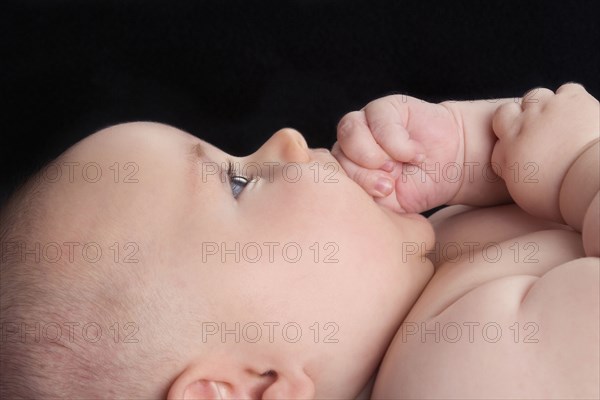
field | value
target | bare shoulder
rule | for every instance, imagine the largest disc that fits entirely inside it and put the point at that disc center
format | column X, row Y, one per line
column 460, row 229
column 500, row 319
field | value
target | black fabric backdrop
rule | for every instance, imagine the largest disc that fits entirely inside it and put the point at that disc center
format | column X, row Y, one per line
column 233, row 72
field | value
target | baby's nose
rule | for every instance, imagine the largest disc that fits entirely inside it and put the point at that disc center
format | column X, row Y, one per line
column 287, row 145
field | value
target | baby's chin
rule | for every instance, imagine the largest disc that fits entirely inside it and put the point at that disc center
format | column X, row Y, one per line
column 412, row 227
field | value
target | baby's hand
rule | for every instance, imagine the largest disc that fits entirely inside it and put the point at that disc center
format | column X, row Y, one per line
column 403, row 141
column 539, row 139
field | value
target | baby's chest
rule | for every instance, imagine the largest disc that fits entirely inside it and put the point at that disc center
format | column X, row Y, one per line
column 469, row 333
column 517, row 336
column 475, row 250
column 499, row 341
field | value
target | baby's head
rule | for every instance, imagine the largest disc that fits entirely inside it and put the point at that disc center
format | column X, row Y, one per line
column 133, row 267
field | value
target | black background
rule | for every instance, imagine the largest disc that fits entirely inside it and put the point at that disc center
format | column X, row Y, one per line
column 233, row 72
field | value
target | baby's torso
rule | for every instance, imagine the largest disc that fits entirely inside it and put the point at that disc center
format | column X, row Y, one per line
column 511, row 312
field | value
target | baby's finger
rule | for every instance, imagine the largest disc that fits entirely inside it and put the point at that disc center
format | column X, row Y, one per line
column 388, row 118
column 357, row 143
column 536, row 97
column 505, row 120
column 573, row 87
column 375, row 182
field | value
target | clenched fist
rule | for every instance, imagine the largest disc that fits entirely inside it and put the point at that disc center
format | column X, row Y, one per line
column 395, row 147
column 546, row 133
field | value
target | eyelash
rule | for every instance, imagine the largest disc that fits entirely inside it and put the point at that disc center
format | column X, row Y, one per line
column 233, row 173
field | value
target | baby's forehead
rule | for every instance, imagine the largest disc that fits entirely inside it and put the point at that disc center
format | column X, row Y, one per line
column 135, row 135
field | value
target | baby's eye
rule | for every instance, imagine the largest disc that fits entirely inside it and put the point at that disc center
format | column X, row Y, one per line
column 238, row 183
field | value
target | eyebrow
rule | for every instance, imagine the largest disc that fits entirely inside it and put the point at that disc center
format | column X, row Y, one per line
column 198, row 152
column 195, row 154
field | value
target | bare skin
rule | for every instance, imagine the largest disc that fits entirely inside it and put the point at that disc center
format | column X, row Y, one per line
column 512, row 309
column 183, row 199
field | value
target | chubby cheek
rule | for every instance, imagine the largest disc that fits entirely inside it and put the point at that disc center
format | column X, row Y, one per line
column 351, row 251
column 306, row 205
column 353, row 239
column 370, row 278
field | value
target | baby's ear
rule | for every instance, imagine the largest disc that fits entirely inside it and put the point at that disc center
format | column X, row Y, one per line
column 194, row 383
column 199, row 389
column 201, row 381
column 290, row 386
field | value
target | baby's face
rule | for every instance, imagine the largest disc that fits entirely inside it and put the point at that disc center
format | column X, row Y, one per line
column 316, row 274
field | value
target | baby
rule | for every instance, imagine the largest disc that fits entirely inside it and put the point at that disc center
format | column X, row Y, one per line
column 142, row 263
column 146, row 263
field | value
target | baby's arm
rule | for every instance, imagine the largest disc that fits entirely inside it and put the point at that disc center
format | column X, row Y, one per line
column 559, row 135
column 447, row 153
column 579, row 198
column 481, row 186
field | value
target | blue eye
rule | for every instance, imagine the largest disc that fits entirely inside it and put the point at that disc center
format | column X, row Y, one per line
column 237, row 181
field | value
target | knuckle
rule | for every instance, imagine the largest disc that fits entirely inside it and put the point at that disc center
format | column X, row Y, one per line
column 531, row 92
column 344, row 127
column 504, row 118
column 347, row 124
column 373, row 104
column 396, row 103
column 534, row 95
column 571, row 86
column 360, row 176
column 366, row 157
column 505, row 108
column 379, row 127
